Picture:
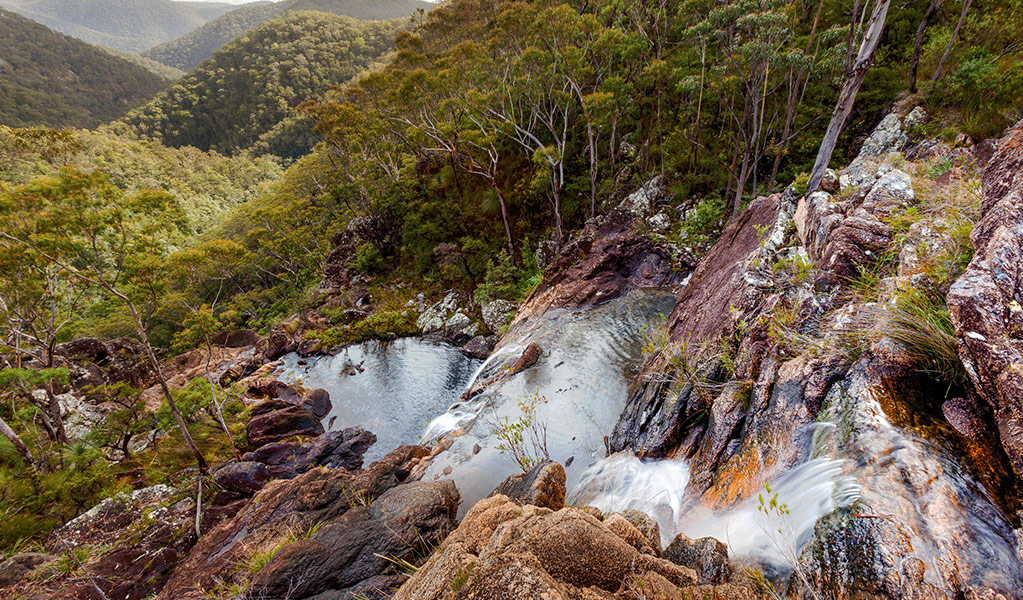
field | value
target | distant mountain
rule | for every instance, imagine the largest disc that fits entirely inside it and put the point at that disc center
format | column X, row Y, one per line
column 51, row 79
column 187, row 51
column 246, row 93
column 130, row 25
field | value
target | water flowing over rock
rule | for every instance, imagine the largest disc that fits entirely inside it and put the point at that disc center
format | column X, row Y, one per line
column 856, row 446
column 987, row 301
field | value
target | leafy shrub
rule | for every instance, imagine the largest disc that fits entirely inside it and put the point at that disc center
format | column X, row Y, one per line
column 368, row 259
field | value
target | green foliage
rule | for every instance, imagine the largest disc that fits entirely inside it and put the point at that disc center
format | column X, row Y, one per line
column 127, row 420
column 504, row 281
column 708, row 214
column 525, row 438
column 923, row 325
column 381, row 324
column 248, row 87
column 368, row 259
column 205, row 184
column 187, row 51
column 37, row 64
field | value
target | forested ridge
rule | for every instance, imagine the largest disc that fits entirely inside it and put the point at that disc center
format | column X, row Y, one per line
column 457, row 151
column 245, row 95
column 129, row 25
column 187, row 51
column 50, row 79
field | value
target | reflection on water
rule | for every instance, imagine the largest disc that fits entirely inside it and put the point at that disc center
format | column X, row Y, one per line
column 393, row 389
column 589, row 358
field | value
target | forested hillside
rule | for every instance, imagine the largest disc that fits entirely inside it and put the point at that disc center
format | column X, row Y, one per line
column 187, row 51
column 50, row 79
column 243, row 95
column 205, row 184
column 130, row 25
column 523, row 119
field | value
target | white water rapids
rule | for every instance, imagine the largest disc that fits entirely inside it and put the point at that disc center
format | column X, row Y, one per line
column 409, row 392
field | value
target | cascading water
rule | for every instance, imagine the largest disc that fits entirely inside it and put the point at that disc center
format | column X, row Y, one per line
column 590, row 356
column 390, row 388
column 810, row 490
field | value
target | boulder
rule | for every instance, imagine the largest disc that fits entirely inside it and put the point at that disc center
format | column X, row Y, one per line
column 341, row 449
column 318, row 402
column 707, row 556
column 497, row 314
column 356, row 551
column 646, row 199
column 645, row 525
column 478, row 347
column 501, row 550
column 530, row 356
column 93, row 362
column 278, row 343
column 543, row 485
column 282, row 423
column 887, row 137
column 246, row 477
column 434, row 318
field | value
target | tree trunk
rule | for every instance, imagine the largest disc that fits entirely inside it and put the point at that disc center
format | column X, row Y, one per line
column 914, row 63
column 151, row 355
column 952, row 40
column 20, row 446
column 847, row 97
column 504, row 219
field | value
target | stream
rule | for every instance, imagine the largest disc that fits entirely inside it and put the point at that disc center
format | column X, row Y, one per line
column 409, row 391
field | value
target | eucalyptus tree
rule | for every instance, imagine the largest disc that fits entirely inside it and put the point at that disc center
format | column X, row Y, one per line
column 111, row 241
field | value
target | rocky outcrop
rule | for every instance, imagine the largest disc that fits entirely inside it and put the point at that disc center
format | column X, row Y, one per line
column 543, row 486
column 15, row 568
column 335, row 449
column 764, row 370
column 987, row 301
column 129, row 545
column 502, row 550
column 707, row 556
column 327, row 532
column 93, row 362
column 605, row 260
column 717, row 293
column 354, row 555
column 276, row 420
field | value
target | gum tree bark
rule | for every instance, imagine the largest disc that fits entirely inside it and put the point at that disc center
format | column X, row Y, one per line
column 847, row 97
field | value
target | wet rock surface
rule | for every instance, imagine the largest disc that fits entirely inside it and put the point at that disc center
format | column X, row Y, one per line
column 987, row 301
column 745, row 397
column 604, row 261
